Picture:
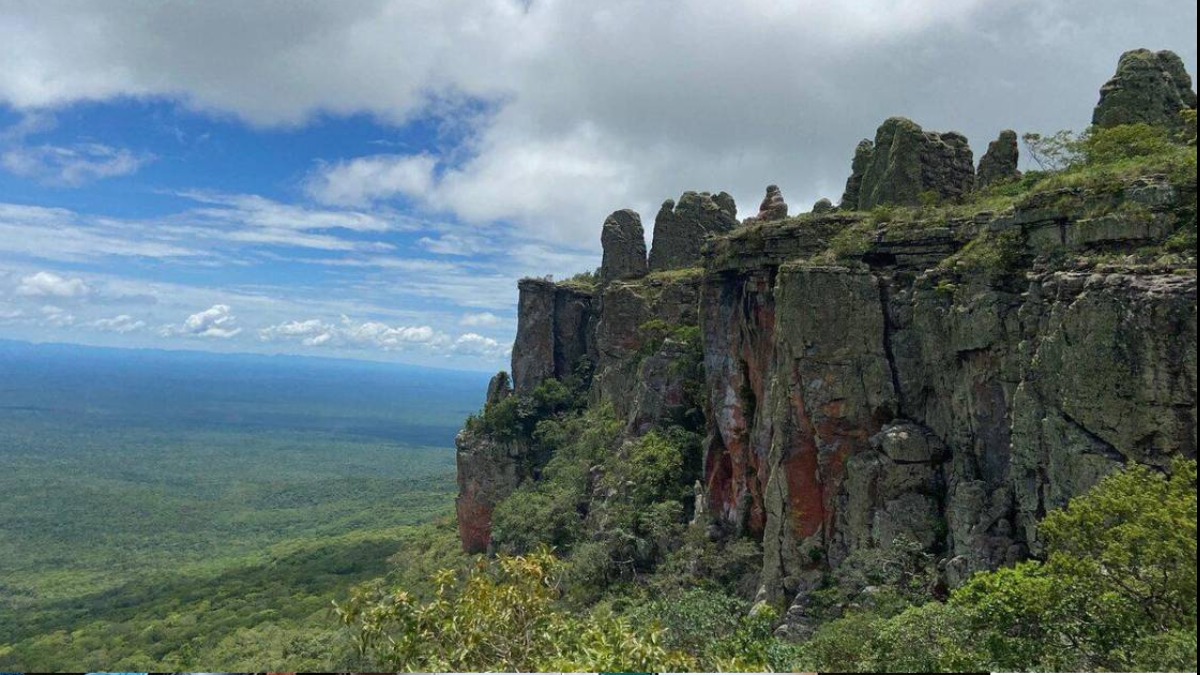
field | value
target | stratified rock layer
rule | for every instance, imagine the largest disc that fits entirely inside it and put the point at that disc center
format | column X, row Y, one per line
column 1148, row 87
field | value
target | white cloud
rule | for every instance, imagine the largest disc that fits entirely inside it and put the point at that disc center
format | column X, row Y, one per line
column 349, row 333
column 215, row 322
column 361, row 181
column 455, row 244
column 478, row 345
column 51, row 285
column 480, row 320
column 265, row 214
column 210, row 233
column 57, row 316
column 557, row 113
column 310, row 333
column 64, row 235
column 389, row 337
column 120, row 324
column 71, row 166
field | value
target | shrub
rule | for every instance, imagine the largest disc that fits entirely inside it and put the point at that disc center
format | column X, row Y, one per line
column 1108, row 145
column 502, row 616
column 998, row 254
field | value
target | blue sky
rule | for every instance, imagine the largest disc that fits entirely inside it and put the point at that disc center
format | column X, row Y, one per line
column 369, row 179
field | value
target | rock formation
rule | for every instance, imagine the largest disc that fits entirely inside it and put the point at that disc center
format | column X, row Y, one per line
column 822, row 205
column 905, row 163
column 1148, row 87
column 903, row 389
column 624, row 245
column 848, row 406
column 553, row 330
column 499, row 388
column 999, row 163
column 680, row 229
column 772, row 207
column 858, row 167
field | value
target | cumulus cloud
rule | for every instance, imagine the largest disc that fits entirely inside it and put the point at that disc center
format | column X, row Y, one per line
column 71, row 166
column 215, row 322
column 120, row 324
column 50, row 285
column 376, row 334
column 361, row 181
column 349, row 333
column 480, row 320
column 477, row 345
column 553, row 127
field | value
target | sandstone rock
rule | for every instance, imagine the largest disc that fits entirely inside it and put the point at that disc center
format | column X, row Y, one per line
column 999, row 163
column 862, row 159
column 554, row 327
column 619, row 337
column 848, row 407
column 1148, row 87
column 822, row 205
column 499, row 388
column 658, row 390
column 624, row 245
column 772, row 207
column 831, row 391
column 488, row 472
column 1011, row 398
column 906, row 162
column 680, row 229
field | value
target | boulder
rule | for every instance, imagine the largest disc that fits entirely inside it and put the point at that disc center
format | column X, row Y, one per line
column 1148, row 87
column 999, row 163
column 772, row 207
column 822, row 205
column 624, row 245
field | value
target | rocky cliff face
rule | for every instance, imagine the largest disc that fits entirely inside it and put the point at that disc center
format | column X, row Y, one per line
column 896, row 394
column 554, row 331
column 947, row 378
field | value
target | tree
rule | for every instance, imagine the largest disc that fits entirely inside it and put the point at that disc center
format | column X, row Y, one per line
column 1120, row 575
column 500, row 616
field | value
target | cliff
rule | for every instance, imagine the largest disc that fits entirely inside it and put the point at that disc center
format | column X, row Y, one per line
column 945, row 367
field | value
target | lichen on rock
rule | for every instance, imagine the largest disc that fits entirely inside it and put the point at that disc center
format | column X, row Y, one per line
column 1148, row 88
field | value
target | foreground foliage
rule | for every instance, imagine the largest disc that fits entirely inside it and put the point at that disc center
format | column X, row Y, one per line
column 1117, row 592
column 501, row 614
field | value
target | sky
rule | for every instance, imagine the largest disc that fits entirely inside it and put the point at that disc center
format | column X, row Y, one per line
column 369, row 178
